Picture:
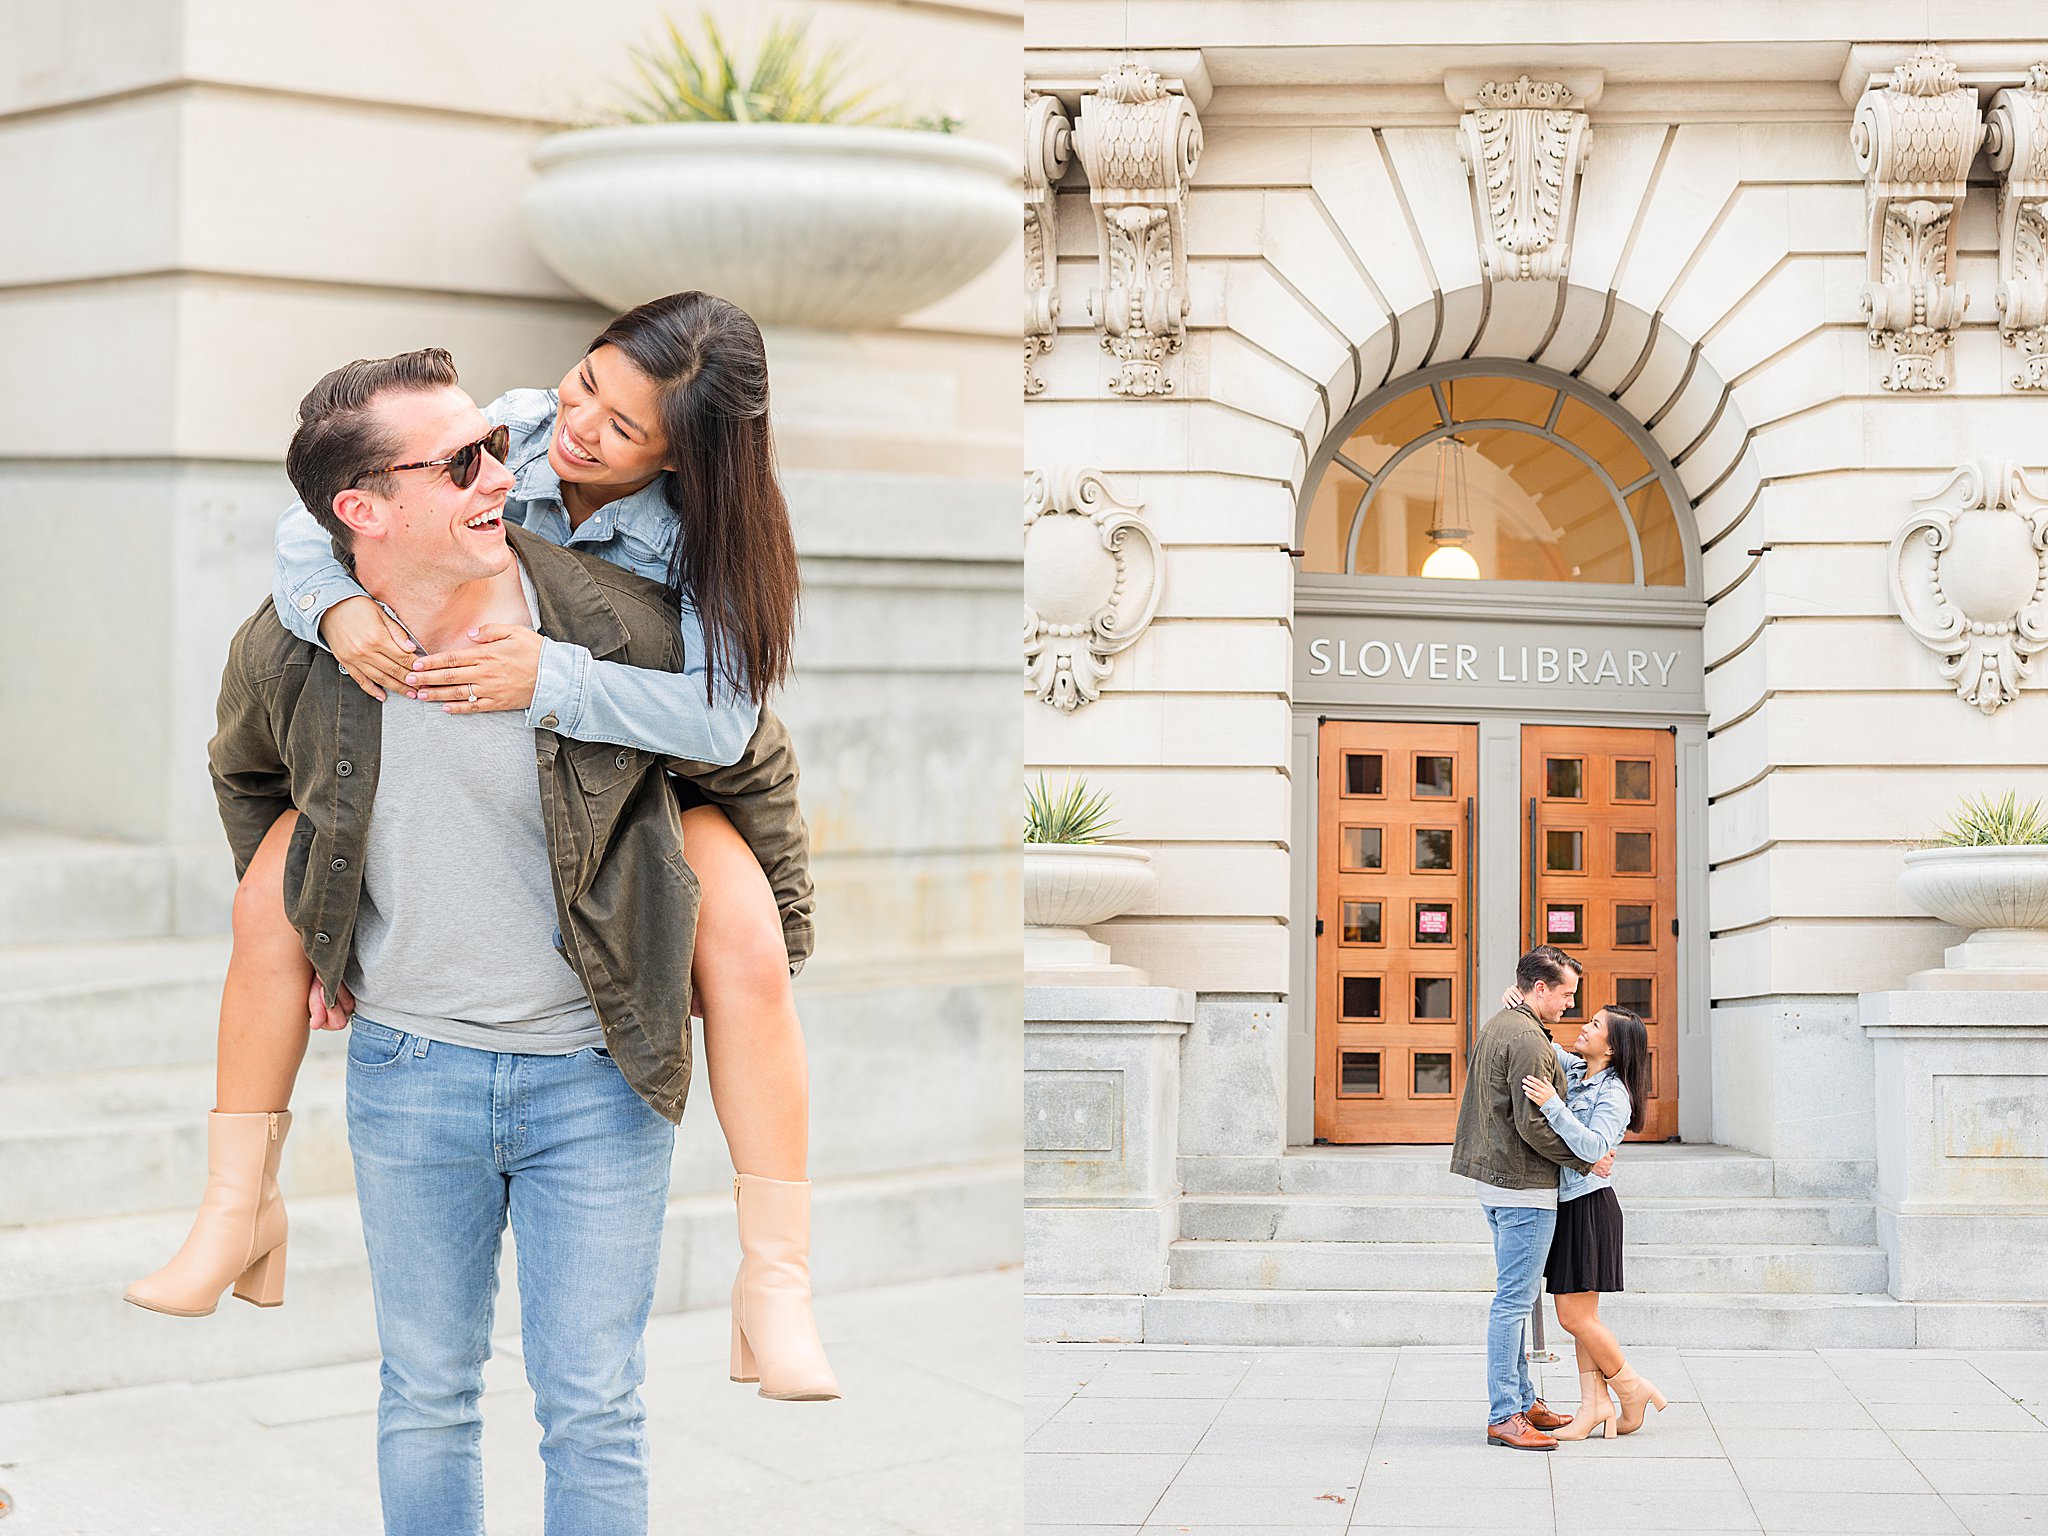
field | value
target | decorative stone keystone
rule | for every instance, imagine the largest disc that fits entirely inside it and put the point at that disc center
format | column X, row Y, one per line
column 1091, row 583
column 1139, row 142
column 2016, row 138
column 1524, row 146
column 1048, row 150
column 1969, row 575
column 1914, row 140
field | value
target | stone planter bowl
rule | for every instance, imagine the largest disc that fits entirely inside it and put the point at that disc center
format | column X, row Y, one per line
column 1981, row 888
column 800, row 224
column 1070, row 885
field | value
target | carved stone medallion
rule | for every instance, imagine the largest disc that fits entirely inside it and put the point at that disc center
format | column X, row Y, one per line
column 1091, row 583
column 1969, row 575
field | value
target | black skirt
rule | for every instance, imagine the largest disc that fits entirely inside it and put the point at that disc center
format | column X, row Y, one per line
column 1585, row 1252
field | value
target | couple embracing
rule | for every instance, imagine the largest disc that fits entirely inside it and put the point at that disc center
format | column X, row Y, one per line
column 505, row 803
column 1537, row 1130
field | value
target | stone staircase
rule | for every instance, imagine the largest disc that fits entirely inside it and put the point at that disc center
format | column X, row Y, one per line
column 1382, row 1246
column 107, row 1025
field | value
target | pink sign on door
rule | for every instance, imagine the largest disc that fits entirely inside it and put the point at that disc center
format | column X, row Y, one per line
column 1563, row 920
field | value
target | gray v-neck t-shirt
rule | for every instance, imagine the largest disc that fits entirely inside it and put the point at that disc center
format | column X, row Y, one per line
column 455, row 936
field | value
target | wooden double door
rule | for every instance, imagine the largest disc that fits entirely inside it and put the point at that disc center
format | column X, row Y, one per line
column 1399, row 993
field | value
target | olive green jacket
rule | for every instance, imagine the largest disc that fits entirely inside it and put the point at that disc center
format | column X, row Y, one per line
column 296, row 732
column 1503, row 1138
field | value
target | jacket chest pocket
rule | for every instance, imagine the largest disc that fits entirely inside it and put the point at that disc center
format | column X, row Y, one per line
column 601, row 768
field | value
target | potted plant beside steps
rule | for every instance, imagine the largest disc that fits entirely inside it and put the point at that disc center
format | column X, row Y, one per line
column 1987, row 872
column 1072, row 878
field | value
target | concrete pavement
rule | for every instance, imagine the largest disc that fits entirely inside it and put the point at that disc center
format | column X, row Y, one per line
column 923, row 1444
column 1257, row 1442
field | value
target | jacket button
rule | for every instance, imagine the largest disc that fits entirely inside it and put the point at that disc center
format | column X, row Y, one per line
column 306, row 602
column 549, row 720
column 344, row 768
column 321, row 938
column 620, row 761
column 338, row 865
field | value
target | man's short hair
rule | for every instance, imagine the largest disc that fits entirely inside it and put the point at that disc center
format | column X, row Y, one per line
column 340, row 442
column 1545, row 963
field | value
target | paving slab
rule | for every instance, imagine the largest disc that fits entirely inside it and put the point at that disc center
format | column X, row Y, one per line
column 1792, row 1441
column 912, row 1450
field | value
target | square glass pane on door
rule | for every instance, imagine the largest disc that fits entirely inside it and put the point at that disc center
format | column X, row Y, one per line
column 1432, row 1074
column 1433, row 847
column 1638, row 995
column 1364, row 773
column 1433, row 778
column 1632, row 780
column 1360, row 848
column 1433, row 922
column 1564, row 923
column 1564, row 778
column 1633, row 853
column 1361, row 998
column 1432, row 1000
column 1360, row 1073
column 1564, row 853
column 1632, row 925
column 1361, row 923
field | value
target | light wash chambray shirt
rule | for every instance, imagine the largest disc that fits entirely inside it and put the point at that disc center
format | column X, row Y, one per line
column 1592, row 1117
column 574, row 694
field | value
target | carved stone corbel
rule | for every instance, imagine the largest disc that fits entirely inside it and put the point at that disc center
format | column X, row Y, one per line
column 2016, row 138
column 1091, row 583
column 1138, row 143
column 1048, row 150
column 1969, row 575
column 1914, row 139
column 1524, row 145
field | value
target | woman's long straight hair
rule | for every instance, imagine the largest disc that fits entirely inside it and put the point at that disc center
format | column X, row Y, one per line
column 735, row 556
column 1628, row 1058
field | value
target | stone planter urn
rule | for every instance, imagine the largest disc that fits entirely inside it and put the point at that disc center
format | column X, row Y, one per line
column 801, row 224
column 2001, row 895
column 1068, row 886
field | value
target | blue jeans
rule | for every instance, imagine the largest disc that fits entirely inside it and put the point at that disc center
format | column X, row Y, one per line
column 1521, row 1243
column 448, row 1142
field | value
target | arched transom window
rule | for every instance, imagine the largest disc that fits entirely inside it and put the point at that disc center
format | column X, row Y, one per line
column 1496, row 477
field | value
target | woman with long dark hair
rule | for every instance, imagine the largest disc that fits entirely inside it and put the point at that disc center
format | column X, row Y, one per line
column 1607, row 1081
column 654, row 452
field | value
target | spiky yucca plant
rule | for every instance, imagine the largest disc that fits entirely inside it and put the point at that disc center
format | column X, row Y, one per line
column 1981, row 822
column 1072, row 814
column 681, row 81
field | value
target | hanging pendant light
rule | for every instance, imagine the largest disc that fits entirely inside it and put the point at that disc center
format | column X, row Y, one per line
column 1450, row 557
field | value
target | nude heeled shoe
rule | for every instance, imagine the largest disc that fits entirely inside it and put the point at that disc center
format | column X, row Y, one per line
column 1596, row 1408
column 238, row 1237
column 1634, row 1392
column 774, row 1337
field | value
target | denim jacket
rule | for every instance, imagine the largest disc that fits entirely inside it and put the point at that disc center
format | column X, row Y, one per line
column 575, row 694
column 1591, row 1116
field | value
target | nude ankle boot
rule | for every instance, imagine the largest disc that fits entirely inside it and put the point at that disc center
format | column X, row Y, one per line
column 1595, row 1409
column 1634, row 1393
column 238, row 1237
column 774, row 1337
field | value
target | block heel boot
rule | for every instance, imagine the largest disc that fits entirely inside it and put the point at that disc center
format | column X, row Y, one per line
column 238, row 1237
column 774, row 1336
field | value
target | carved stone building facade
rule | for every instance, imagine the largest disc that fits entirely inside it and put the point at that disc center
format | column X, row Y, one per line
column 1592, row 488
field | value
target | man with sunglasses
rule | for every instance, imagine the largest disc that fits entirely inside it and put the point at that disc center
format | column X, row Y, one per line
column 512, row 912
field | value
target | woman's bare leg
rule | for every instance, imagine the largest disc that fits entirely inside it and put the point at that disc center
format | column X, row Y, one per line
column 753, row 1044
column 263, row 1004
column 1579, row 1315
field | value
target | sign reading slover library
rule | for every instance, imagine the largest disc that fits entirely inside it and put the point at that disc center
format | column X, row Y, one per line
column 1497, row 663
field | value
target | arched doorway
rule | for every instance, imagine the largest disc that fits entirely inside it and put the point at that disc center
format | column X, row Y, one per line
column 1499, row 739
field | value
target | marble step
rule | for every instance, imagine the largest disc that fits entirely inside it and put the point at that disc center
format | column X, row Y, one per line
column 1353, row 1266
column 66, row 1328
column 1415, row 1219
column 1645, row 1169
column 133, row 1140
column 59, row 888
column 1457, row 1319
column 92, row 1007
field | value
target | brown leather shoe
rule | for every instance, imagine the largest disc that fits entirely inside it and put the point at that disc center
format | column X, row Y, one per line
column 1517, row 1434
column 1542, row 1418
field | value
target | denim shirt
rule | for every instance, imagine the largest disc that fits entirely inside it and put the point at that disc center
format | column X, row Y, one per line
column 1592, row 1117
column 574, row 694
